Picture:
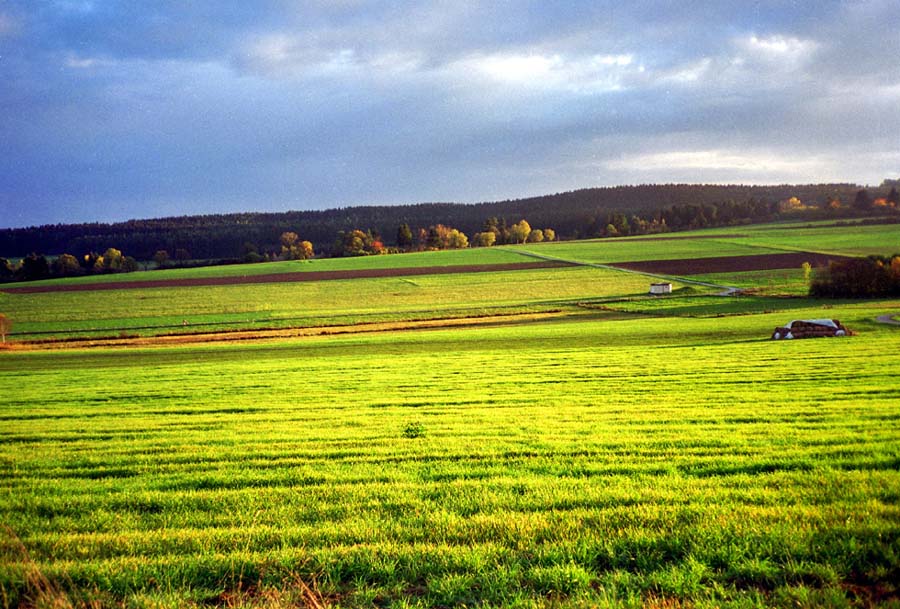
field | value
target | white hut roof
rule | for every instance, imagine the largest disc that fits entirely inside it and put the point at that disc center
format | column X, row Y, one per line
column 819, row 322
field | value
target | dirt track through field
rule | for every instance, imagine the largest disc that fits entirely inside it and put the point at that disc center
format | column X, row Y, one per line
column 290, row 333
column 279, row 277
column 729, row 264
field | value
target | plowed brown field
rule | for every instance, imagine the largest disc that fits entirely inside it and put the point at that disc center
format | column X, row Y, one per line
column 729, row 264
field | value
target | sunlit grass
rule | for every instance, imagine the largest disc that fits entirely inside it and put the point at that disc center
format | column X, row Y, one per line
column 674, row 458
column 305, row 304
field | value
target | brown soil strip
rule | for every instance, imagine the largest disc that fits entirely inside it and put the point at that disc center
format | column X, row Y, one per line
column 280, row 334
column 729, row 264
column 279, row 277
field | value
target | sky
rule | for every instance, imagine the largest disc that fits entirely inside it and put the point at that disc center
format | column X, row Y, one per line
column 116, row 109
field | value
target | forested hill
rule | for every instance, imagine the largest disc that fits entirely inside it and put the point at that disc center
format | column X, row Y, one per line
column 226, row 235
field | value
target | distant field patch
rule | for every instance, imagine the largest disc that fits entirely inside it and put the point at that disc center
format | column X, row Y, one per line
column 729, row 264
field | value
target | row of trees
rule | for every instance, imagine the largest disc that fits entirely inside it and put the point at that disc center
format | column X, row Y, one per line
column 573, row 214
column 496, row 232
column 682, row 217
column 858, row 278
column 35, row 266
column 365, row 243
column 732, row 213
column 348, row 243
column 438, row 237
column 435, row 237
column 863, row 201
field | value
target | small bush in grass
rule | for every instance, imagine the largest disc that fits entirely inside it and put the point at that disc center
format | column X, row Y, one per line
column 414, row 429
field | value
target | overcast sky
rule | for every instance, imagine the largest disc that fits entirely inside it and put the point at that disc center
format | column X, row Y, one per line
column 117, row 109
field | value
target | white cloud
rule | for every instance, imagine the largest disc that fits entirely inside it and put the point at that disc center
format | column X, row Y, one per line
column 516, row 69
column 690, row 73
column 280, row 55
column 787, row 51
column 82, row 63
column 583, row 74
column 754, row 165
column 718, row 159
column 748, row 63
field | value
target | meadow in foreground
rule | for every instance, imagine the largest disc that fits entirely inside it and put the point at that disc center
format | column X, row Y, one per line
column 569, row 463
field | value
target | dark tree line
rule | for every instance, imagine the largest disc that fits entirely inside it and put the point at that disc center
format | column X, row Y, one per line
column 579, row 213
column 858, row 278
column 36, row 266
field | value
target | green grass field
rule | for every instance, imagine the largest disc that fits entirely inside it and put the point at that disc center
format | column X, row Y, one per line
column 733, row 241
column 823, row 237
column 631, row 452
column 310, row 304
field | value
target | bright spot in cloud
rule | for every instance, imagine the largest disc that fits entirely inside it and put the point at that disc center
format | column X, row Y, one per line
column 580, row 74
column 777, row 48
column 690, row 73
column 80, row 63
column 769, row 161
column 613, row 60
column 518, row 68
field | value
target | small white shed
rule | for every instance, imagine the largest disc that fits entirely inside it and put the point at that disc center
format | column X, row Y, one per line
column 660, row 288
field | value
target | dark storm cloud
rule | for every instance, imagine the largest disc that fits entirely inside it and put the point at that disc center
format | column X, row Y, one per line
column 113, row 110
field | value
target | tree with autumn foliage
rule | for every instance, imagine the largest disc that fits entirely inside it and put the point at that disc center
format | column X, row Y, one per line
column 358, row 243
column 442, row 237
column 292, row 248
column 457, row 240
column 484, row 239
column 518, row 232
column 66, row 265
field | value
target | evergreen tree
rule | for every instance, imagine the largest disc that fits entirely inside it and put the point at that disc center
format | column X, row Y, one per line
column 862, row 201
column 404, row 237
column 894, row 197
